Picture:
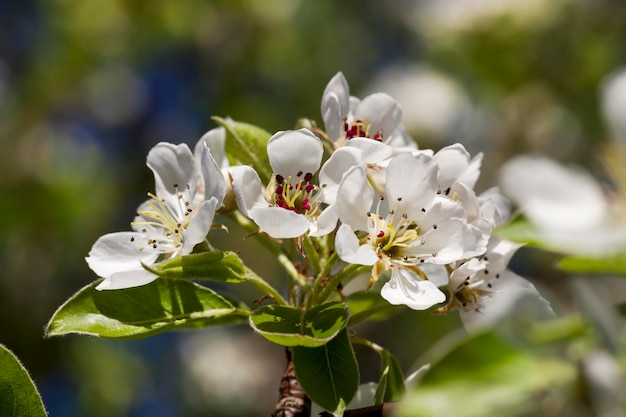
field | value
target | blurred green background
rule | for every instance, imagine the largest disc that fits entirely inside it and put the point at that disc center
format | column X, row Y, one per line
column 87, row 87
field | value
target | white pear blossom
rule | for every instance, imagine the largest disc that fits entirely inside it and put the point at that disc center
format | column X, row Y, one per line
column 177, row 217
column 458, row 174
column 293, row 203
column 371, row 125
column 411, row 225
column 483, row 290
column 571, row 210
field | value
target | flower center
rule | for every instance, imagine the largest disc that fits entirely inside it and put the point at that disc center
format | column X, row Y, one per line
column 167, row 221
column 360, row 129
column 390, row 235
column 296, row 194
column 466, row 296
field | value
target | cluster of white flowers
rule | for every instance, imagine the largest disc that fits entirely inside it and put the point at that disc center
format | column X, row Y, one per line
column 412, row 214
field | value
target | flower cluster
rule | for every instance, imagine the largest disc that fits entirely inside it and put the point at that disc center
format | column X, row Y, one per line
column 360, row 183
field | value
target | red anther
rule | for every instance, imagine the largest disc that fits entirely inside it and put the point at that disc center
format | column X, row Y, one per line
column 309, row 188
column 279, row 189
column 381, row 233
column 279, row 178
column 308, row 176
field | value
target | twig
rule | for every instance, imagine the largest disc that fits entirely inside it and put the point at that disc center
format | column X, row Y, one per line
column 293, row 401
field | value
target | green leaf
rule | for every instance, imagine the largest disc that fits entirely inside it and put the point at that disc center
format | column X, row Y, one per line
column 18, row 394
column 290, row 326
column 615, row 264
column 371, row 306
column 329, row 374
column 522, row 231
column 391, row 383
column 142, row 311
column 212, row 266
column 246, row 144
column 485, row 376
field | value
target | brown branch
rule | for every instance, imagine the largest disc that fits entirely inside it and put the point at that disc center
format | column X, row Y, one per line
column 293, row 401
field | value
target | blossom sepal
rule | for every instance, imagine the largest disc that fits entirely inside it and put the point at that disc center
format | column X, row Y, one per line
column 209, row 266
column 289, row 326
column 139, row 312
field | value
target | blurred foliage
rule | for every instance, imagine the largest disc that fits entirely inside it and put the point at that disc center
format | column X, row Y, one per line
column 88, row 86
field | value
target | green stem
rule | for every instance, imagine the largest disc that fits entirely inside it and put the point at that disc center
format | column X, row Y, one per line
column 323, row 273
column 291, row 269
column 346, row 274
column 311, row 253
column 272, row 246
column 364, row 342
column 252, row 277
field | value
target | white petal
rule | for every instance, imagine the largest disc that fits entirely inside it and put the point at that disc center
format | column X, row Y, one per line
column 411, row 184
column 451, row 241
column 453, row 161
column 215, row 140
column 442, row 210
column 372, row 150
column 467, row 198
column 499, row 253
column 338, row 85
column 494, row 207
column 247, row 188
column 469, row 269
column 127, row 279
column 400, row 141
column 295, row 152
column 381, row 111
column 115, row 252
column 325, row 223
column 405, row 288
column 437, row 274
column 613, row 103
column 279, row 222
column 174, row 169
column 333, row 170
column 199, row 226
column 471, row 174
column 553, row 196
column 214, row 183
column 350, row 250
column 510, row 293
column 331, row 114
column 354, row 198
column 364, row 396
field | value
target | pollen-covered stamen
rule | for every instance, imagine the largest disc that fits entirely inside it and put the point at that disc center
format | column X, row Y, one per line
column 360, row 128
column 389, row 236
column 467, row 296
column 184, row 201
column 170, row 222
column 299, row 196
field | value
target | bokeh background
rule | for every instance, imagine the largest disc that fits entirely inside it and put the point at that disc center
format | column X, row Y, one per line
column 87, row 87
